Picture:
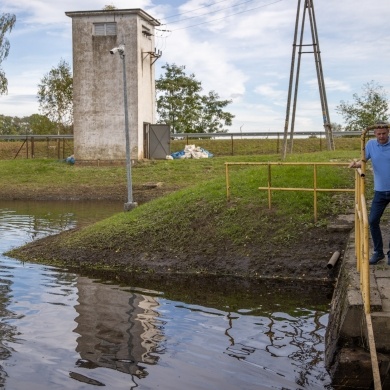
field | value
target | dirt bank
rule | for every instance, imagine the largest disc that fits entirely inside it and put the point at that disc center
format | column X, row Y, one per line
column 304, row 258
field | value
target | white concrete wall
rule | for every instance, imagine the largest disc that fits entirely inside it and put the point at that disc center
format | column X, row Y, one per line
column 98, row 96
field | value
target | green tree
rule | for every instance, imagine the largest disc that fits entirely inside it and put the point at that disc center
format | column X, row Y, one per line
column 336, row 127
column 41, row 124
column 7, row 22
column 181, row 105
column 367, row 109
column 13, row 125
column 55, row 96
column 212, row 118
column 8, row 125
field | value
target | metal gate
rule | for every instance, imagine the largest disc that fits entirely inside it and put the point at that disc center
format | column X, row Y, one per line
column 158, row 141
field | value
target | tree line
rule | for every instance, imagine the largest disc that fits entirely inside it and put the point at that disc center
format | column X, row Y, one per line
column 34, row 124
column 181, row 103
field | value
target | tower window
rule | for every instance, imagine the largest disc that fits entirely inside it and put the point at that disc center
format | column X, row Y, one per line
column 104, row 28
column 146, row 32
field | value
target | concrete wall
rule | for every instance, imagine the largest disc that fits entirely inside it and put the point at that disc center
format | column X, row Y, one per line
column 98, row 94
column 347, row 357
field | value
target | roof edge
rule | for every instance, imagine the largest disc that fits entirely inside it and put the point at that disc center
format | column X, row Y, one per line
column 137, row 11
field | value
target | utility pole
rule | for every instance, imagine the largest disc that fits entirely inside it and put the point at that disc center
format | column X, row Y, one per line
column 130, row 204
column 294, row 75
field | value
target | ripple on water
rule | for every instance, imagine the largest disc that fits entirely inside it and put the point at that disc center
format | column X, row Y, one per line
column 61, row 330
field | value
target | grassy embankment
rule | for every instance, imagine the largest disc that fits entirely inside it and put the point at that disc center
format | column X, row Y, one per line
column 195, row 218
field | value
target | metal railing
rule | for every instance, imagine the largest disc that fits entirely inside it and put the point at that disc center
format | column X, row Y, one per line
column 232, row 146
column 29, row 143
column 362, row 251
column 269, row 188
column 361, row 229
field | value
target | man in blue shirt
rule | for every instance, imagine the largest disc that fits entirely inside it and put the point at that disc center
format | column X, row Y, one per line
column 378, row 151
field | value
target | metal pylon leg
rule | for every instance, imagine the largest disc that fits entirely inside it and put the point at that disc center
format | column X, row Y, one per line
column 294, row 75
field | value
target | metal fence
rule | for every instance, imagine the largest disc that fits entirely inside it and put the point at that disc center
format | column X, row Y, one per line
column 270, row 188
column 235, row 143
column 36, row 146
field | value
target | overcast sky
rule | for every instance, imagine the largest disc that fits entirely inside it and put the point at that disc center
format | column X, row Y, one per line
column 239, row 48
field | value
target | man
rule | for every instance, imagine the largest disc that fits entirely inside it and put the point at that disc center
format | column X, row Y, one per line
column 378, row 151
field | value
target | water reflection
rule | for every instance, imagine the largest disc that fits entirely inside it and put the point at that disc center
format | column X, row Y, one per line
column 61, row 330
column 117, row 330
column 7, row 331
column 33, row 219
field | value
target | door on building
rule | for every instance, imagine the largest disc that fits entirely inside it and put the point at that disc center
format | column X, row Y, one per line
column 157, row 141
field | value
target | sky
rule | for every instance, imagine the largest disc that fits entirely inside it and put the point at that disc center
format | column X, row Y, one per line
column 241, row 49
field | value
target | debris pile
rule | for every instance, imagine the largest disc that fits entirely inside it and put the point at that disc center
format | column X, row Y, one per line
column 190, row 151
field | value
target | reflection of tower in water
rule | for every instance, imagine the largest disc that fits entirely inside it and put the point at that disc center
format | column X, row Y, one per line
column 117, row 328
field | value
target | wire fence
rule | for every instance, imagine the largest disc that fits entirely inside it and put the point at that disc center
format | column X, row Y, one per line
column 219, row 144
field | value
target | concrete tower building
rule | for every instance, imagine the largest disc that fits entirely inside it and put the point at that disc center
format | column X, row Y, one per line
column 98, row 83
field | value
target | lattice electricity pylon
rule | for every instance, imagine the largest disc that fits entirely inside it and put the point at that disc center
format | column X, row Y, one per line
column 294, row 74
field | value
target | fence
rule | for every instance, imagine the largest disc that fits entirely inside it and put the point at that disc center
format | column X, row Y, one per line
column 269, row 188
column 229, row 144
column 264, row 142
column 36, row 146
column 362, row 251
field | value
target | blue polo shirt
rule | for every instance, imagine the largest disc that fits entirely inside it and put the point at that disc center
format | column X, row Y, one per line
column 379, row 154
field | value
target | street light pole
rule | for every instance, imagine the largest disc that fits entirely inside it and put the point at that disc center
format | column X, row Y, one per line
column 130, row 204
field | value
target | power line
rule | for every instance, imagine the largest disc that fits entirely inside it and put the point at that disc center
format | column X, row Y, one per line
column 211, row 12
column 196, row 9
column 228, row 16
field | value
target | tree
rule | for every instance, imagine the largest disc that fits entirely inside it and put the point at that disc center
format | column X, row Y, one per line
column 336, row 127
column 367, row 109
column 41, row 124
column 9, row 125
column 55, row 95
column 211, row 118
column 7, row 22
column 180, row 104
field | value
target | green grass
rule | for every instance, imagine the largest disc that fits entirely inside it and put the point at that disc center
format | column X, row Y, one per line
column 35, row 173
column 196, row 216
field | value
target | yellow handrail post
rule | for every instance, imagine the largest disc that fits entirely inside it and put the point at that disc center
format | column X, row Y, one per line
column 227, row 181
column 365, row 263
column 315, row 191
column 357, row 219
column 269, row 185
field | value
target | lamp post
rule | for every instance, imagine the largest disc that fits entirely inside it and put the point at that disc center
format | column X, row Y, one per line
column 130, row 204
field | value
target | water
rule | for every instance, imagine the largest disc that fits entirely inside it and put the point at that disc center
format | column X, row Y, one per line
column 61, row 330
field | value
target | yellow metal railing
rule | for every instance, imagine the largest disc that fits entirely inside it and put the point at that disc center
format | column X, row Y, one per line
column 361, row 229
column 315, row 189
column 362, row 251
column 361, row 239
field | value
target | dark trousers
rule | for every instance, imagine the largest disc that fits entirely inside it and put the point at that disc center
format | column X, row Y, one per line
column 380, row 201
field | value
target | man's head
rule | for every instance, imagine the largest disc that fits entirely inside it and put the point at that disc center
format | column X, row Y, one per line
column 382, row 133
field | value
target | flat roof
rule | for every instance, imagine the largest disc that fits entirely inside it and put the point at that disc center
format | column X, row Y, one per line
column 114, row 12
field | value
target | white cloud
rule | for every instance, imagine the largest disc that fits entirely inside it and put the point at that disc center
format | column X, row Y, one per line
column 244, row 56
column 269, row 91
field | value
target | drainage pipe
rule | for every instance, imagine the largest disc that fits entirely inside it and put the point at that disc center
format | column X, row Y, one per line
column 333, row 260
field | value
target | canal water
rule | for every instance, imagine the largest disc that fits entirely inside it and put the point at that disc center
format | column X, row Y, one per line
column 62, row 330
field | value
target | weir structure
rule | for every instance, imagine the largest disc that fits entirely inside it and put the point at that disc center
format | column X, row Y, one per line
column 304, row 7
